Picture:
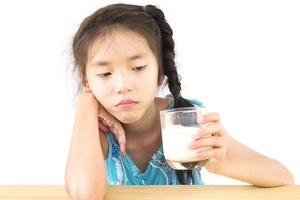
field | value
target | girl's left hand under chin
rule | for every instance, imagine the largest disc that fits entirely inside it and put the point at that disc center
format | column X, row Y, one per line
column 211, row 134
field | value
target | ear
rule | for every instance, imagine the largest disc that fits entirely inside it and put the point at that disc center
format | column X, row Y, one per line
column 85, row 83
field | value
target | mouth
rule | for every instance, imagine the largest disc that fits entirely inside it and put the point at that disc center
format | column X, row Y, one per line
column 126, row 104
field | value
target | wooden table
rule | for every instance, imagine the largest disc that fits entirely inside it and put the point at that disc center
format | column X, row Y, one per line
column 211, row 192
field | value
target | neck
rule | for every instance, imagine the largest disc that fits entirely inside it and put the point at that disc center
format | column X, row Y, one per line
column 147, row 124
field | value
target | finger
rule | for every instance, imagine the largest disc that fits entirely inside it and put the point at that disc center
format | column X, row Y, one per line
column 102, row 113
column 115, row 126
column 123, row 142
column 213, row 141
column 209, row 129
column 209, row 117
column 106, row 118
column 103, row 127
column 105, row 123
column 120, row 135
column 208, row 154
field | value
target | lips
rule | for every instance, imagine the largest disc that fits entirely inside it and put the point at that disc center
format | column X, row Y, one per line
column 127, row 103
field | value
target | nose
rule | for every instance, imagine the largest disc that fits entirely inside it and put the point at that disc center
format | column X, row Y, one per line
column 123, row 83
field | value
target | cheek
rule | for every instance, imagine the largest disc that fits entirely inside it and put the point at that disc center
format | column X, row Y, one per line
column 150, row 80
column 151, row 87
column 103, row 95
column 100, row 91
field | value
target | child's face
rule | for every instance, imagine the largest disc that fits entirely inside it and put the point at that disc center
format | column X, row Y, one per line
column 112, row 76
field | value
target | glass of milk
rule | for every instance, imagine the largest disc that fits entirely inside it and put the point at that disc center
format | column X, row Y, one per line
column 178, row 126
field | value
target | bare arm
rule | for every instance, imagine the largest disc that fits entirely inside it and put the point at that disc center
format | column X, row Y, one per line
column 85, row 175
column 233, row 159
column 245, row 164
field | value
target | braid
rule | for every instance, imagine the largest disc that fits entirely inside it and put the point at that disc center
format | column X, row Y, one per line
column 168, row 55
column 170, row 70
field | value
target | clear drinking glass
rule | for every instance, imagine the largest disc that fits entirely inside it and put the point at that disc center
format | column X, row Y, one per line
column 178, row 126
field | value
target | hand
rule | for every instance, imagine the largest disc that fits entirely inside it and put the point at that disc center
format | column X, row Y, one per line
column 108, row 122
column 211, row 134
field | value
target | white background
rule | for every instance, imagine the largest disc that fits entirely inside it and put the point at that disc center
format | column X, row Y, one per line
column 241, row 58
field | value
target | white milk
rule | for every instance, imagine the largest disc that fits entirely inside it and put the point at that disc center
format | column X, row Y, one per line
column 176, row 139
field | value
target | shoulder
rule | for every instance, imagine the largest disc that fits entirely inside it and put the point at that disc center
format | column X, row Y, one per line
column 196, row 102
column 169, row 98
column 163, row 102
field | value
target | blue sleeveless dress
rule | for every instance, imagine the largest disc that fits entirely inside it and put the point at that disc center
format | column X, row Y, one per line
column 121, row 170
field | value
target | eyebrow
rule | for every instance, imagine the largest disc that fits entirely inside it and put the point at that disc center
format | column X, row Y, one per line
column 130, row 58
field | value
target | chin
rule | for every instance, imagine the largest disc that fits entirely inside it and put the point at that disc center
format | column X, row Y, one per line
column 128, row 118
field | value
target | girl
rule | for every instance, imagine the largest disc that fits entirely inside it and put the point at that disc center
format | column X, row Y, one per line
column 123, row 53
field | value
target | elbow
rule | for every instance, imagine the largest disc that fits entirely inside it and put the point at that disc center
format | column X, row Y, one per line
column 84, row 191
column 284, row 177
column 289, row 179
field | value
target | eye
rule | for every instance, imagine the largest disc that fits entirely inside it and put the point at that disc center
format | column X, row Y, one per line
column 104, row 75
column 139, row 68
